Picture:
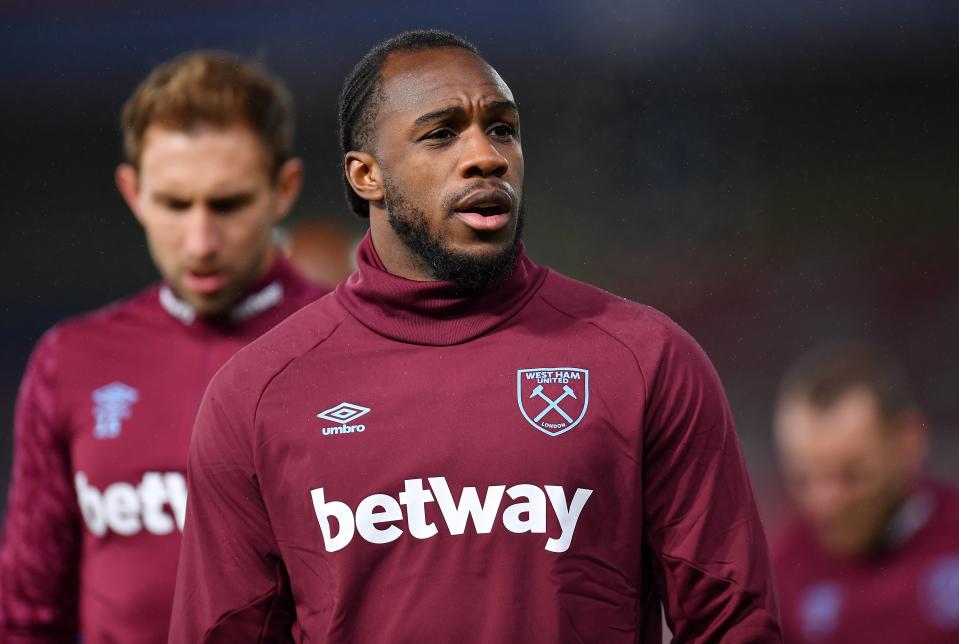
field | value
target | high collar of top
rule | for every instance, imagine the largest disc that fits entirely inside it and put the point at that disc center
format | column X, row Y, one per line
column 432, row 313
column 265, row 294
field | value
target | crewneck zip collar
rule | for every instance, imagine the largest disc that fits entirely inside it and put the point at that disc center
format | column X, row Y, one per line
column 432, row 313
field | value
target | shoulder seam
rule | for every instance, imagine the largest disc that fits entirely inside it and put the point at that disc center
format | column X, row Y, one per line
column 604, row 331
column 300, row 354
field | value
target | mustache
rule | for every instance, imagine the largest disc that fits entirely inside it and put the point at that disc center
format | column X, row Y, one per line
column 449, row 203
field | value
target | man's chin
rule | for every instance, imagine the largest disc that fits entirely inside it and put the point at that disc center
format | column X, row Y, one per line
column 845, row 544
column 208, row 305
column 482, row 250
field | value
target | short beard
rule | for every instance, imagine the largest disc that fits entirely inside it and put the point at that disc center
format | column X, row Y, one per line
column 469, row 272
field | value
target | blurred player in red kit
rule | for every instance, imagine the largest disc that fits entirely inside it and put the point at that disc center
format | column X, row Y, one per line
column 458, row 444
column 106, row 407
column 874, row 554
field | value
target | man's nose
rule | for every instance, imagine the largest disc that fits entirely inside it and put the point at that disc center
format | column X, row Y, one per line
column 202, row 239
column 480, row 156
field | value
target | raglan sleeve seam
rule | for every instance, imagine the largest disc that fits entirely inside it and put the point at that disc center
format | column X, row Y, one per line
column 286, row 365
column 611, row 335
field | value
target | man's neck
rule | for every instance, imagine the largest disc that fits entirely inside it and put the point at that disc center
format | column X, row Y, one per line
column 396, row 256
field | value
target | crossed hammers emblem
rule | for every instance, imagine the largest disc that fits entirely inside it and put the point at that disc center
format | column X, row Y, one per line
column 553, row 404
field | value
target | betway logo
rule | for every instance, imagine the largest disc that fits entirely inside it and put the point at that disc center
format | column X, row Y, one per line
column 126, row 509
column 376, row 514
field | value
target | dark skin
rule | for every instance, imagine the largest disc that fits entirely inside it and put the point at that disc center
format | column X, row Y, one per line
column 447, row 136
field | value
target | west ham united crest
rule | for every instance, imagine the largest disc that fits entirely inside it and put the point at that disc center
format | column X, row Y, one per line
column 553, row 400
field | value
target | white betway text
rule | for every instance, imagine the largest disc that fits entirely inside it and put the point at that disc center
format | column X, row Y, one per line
column 375, row 516
column 126, row 509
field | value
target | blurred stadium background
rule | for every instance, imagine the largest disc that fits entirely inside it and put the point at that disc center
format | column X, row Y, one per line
column 769, row 174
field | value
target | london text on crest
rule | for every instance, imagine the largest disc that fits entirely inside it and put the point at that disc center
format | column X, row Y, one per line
column 553, row 400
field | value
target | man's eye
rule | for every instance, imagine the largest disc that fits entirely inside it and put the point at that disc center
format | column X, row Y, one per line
column 177, row 204
column 226, row 206
column 503, row 130
column 440, row 134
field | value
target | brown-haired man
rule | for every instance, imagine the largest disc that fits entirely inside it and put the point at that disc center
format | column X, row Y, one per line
column 106, row 407
column 874, row 555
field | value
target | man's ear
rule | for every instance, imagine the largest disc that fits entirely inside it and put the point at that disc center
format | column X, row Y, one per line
column 363, row 173
column 128, row 183
column 289, row 180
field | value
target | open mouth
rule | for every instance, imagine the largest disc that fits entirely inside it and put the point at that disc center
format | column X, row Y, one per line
column 204, row 282
column 485, row 210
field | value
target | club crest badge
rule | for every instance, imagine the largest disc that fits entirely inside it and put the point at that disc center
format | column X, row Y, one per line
column 553, row 400
column 939, row 592
column 112, row 404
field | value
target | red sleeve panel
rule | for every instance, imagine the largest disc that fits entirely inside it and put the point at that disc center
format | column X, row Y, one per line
column 711, row 562
column 40, row 551
column 228, row 534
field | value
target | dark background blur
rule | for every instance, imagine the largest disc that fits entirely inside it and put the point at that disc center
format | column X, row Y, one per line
column 769, row 174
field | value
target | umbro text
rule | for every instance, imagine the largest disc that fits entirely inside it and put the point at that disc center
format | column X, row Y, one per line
column 343, row 429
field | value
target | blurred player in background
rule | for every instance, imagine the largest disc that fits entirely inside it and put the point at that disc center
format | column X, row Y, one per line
column 459, row 445
column 106, row 406
column 874, row 554
column 322, row 251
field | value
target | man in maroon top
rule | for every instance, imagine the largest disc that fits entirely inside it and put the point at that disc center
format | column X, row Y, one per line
column 105, row 411
column 874, row 554
column 460, row 445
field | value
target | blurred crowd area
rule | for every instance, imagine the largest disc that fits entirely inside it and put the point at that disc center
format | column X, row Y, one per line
column 770, row 175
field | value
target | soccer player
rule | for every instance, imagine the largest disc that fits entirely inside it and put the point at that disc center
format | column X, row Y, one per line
column 874, row 554
column 460, row 445
column 106, row 407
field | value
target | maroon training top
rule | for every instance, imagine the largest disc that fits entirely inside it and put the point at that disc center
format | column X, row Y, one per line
column 104, row 416
column 907, row 591
column 544, row 462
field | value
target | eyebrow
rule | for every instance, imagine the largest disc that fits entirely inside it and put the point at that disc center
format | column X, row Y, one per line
column 496, row 106
column 239, row 195
column 169, row 196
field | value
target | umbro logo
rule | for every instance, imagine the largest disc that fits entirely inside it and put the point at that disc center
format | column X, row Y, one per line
column 343, row 413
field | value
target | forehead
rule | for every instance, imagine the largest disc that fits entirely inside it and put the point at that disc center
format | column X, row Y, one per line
column 852, row 425
column 416, row 81
column 218, row 154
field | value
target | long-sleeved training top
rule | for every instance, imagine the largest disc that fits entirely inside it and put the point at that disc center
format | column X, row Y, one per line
column 541, row 462
column 98, row 491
